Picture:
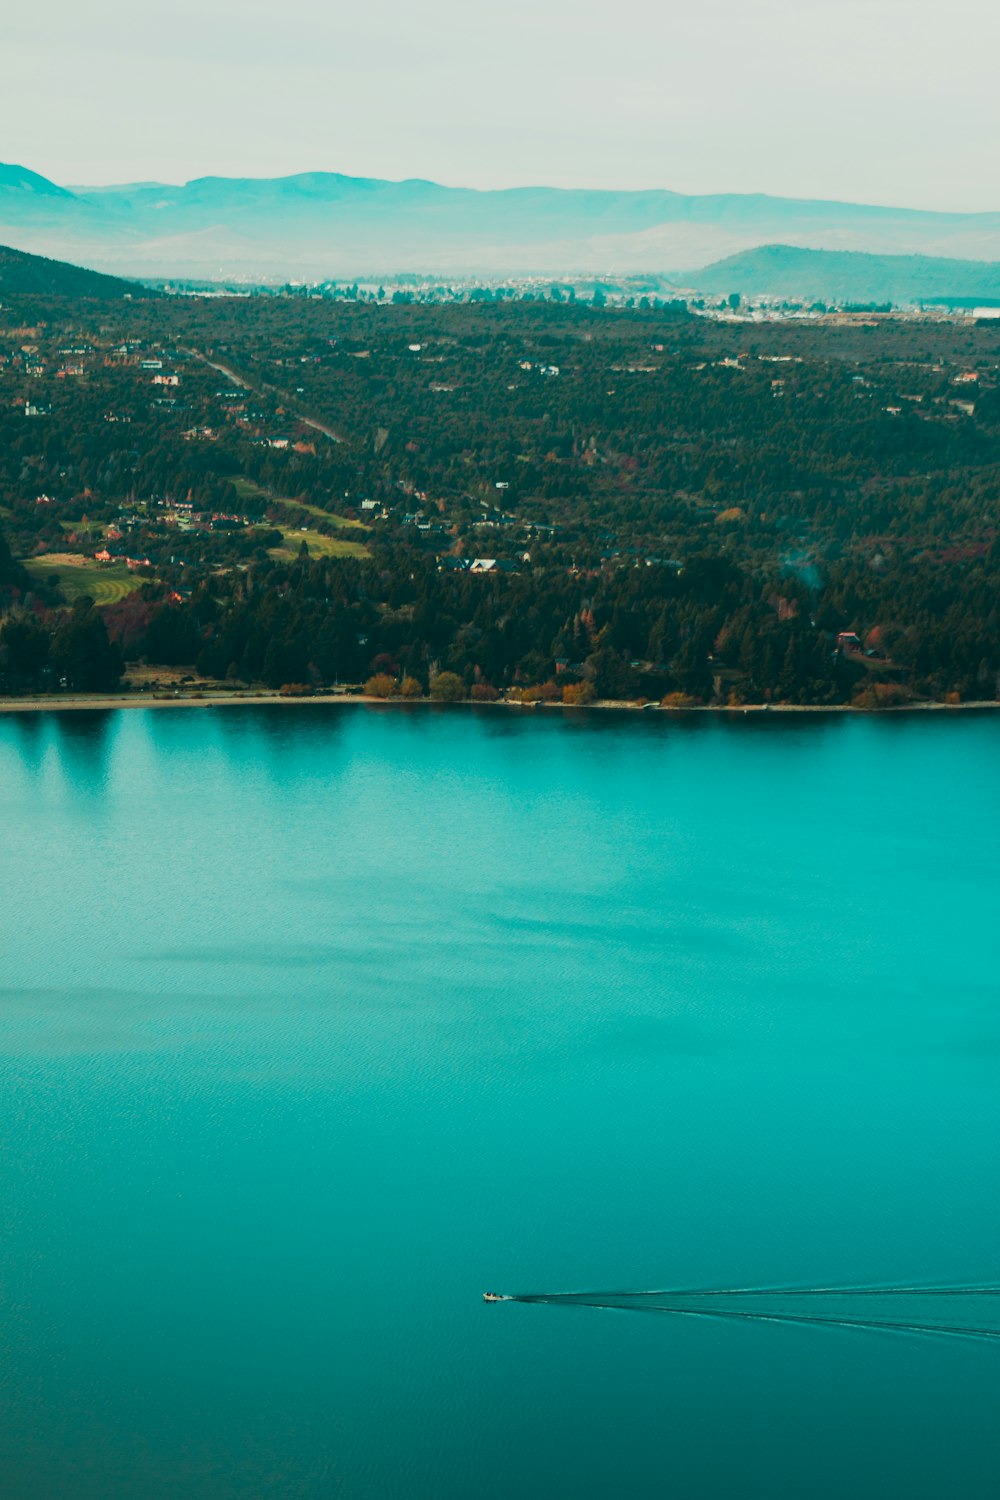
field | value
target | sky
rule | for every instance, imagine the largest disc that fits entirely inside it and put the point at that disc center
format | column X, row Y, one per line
column 882, row 101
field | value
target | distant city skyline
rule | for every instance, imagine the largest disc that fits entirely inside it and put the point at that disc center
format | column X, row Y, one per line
column 858, row 100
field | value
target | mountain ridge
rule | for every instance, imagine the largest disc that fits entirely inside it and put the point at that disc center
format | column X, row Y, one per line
column 314, row 225
column 15, row 176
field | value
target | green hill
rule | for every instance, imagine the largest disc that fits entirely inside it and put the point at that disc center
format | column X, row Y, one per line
column 848, row 276
column 21, row 273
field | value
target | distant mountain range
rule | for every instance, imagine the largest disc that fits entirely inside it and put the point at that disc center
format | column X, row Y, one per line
column 849, row 276
column 322, row 224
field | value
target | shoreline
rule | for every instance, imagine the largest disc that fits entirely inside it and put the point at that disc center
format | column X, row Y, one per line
column 70, row 703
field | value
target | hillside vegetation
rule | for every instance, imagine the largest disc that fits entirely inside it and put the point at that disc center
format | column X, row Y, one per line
column 22, row 274
column 541, row 499
column 840, row 276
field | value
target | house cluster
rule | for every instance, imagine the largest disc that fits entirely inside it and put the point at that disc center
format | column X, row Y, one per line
column 632, row 557
column 480, row 564
column 236, row 404
column 528, row 364
column 29, row 360
column 145, row 524
column 134, row 564
column 146, row 357
column 493, row 519
column 418, row 520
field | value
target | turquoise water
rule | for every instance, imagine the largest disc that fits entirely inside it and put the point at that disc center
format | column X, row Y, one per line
column 315, row 1024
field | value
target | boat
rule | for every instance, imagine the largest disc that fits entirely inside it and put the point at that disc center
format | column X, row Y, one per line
column 496, row 1297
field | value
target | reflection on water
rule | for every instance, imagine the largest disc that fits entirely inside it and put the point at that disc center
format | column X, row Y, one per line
column 28, row 735
column 316, row 1022
column 82, row 741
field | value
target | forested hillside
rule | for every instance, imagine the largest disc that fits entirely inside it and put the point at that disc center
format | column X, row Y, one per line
column 511, row 497
column 848, row 276
column 21, row 273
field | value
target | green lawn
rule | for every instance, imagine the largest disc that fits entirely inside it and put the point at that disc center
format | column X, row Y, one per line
column 105, row 583
column 318, row 544
column 247, row 490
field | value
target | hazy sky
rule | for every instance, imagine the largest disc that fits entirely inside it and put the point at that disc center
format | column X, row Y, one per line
column 890, row 101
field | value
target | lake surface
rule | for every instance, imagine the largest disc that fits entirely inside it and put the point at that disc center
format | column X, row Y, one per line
column 315, row 1023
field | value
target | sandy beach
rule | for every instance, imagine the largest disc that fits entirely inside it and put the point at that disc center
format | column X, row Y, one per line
column 73, row 702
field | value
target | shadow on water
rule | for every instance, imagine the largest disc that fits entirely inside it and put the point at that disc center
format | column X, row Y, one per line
column 30, row 733
column 631, row 721
column 283, row 725
column 83, row 742
column 278, row 733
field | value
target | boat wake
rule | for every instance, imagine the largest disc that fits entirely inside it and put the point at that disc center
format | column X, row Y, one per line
column 961, row 1311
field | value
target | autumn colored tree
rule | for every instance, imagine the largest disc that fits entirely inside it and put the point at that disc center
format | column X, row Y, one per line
column 382, row 686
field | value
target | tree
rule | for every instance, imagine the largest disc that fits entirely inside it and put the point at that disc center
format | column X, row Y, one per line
column 447, row 687
column 24, row 652
column 173, row 638
column 84, row 658
column 579, row 694
column 611, row 674
column 689, row 670
column 10, row 571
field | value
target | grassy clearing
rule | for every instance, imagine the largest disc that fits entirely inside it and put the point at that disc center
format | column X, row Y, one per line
column 105, row 583
column 318, row 544
column 247, row 490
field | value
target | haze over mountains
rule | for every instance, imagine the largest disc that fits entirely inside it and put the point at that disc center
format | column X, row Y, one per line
column 323, row 224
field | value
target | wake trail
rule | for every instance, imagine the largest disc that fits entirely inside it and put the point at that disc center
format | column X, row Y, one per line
column 970, row 1290
column 831, row 1306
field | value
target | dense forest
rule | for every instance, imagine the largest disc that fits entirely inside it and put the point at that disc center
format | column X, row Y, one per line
column 526, row 497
